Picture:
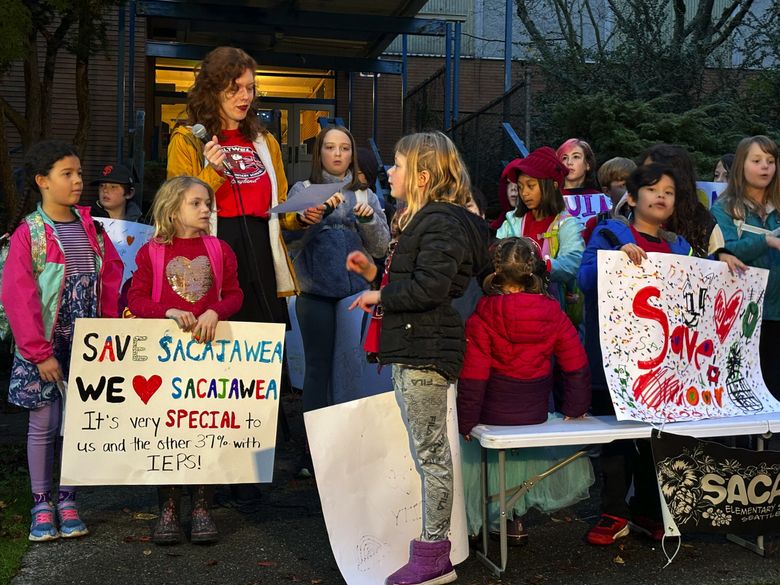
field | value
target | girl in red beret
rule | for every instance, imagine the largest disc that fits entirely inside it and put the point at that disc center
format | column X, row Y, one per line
column 541, row 215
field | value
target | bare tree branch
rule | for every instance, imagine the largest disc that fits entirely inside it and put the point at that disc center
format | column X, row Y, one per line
column 596, row 28
column 727, row 31
column 54, row 42
column 19, row 121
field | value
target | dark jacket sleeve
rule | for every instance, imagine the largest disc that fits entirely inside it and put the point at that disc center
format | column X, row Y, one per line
column 476, row 372
column 441, row 251
column 602, row 239
column 572, row 364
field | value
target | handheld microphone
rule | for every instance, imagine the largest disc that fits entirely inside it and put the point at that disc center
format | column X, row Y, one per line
column 199, row 131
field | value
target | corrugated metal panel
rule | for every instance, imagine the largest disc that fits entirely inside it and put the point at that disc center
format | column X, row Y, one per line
column 462, row 10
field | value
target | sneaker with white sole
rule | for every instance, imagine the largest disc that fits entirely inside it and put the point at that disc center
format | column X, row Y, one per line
column 607, row 530
column 71, row 525
column 42, row 527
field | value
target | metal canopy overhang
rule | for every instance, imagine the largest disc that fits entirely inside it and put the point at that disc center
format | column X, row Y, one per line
column 350, row 36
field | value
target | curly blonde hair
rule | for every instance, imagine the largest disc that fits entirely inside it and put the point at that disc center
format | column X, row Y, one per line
column 436, row 154
column 167, row 202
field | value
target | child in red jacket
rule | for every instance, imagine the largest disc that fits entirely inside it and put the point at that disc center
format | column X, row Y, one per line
column 507, row 379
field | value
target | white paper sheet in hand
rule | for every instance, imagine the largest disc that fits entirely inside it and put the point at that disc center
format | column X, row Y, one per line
column 311, row 196
column 370, row 489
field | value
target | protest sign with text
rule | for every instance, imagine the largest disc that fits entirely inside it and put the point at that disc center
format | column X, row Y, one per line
column 127, row 237
column 370, row 486
column 146, row 404
column 708, row 192
column 708, row 487
column 585, row 206
column 679, row 337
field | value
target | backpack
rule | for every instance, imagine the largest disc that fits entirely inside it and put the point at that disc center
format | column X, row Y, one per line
column 573, row 297
column 38, row 239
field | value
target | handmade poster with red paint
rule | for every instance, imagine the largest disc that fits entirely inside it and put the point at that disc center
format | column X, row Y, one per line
column 147, row 404
column 679, row 337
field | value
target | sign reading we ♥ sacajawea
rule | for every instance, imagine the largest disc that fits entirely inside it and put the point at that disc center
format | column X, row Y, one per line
column 679, row 338
column 146, row 404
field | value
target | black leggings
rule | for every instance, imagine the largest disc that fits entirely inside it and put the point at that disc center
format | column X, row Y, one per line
column 621, row 463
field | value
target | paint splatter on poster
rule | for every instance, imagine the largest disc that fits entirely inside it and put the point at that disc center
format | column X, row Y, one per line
column 679, row 337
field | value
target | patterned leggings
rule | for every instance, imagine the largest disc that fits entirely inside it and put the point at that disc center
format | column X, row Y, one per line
column 422, row 395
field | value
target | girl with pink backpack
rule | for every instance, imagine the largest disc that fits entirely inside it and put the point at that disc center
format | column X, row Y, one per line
column 186, row 275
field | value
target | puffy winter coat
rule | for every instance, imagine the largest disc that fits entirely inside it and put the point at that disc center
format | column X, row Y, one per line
column 436, row 255
column 507, row 373
column 32, row 301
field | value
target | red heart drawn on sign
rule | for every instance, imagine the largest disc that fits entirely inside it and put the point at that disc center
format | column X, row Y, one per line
column 130, row 240
column 725, row 313
column 146, row 388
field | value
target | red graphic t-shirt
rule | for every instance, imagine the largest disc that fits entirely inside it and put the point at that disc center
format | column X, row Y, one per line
column 251, row 177
column 535, row 228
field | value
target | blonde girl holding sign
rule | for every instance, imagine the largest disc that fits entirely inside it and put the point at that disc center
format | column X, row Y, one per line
column 188, row 276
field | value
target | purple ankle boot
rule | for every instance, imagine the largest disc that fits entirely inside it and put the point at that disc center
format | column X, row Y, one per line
column 429, row 564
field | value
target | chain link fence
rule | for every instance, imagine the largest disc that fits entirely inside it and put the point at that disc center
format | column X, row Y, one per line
column 485, row 146
column 424, row 105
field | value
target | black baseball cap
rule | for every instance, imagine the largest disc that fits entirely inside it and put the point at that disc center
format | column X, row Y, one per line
column 118, row 174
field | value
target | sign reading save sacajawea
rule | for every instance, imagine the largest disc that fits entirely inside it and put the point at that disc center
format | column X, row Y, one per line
column 707, row 487
column 679, row 337
column 146, row 404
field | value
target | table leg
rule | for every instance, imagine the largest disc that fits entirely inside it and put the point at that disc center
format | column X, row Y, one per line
column 485, row 494
column 502, row 506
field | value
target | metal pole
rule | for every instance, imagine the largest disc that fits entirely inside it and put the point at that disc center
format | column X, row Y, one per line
column 527, row 105
column 508, row 47
column 120, row 86
column 456, row 74
column 404, row 78
column 131, row 67
column 447, row 77
column 375, row 101
column 404, row 64
column 349, row 98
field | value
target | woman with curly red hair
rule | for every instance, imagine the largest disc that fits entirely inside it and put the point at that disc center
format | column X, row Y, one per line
column 242, row 163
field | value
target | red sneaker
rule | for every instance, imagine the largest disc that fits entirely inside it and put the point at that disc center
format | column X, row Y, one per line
column 607, row 530
column 649, row 526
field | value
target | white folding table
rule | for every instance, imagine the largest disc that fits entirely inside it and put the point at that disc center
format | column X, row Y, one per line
column 590, row 430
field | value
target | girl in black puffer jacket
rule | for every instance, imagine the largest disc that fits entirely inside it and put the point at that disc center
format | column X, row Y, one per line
column 440, row 246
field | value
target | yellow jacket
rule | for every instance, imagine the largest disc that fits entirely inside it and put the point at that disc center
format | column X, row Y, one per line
column 185, row 157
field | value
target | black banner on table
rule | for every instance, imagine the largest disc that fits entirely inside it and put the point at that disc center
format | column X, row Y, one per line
column 707, row 487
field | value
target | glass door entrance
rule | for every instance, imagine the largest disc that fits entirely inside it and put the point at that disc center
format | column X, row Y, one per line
column 300, row 125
